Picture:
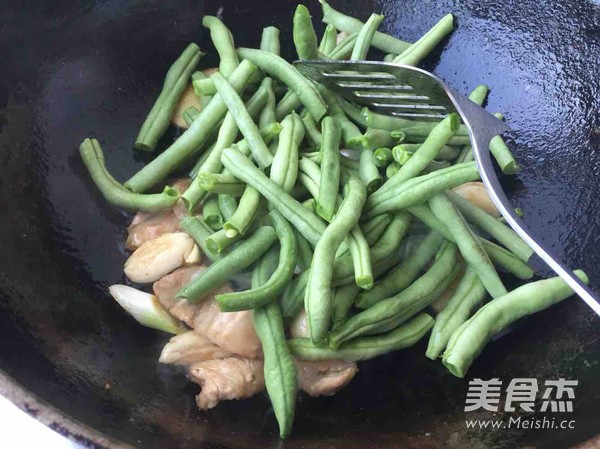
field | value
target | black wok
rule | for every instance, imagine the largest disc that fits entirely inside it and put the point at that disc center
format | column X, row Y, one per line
column 69, row 355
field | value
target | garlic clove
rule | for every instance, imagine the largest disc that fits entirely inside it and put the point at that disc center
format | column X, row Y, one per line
column 477, row 194
column 299, row 326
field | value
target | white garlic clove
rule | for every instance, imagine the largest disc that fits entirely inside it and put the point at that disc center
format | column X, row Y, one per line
column 158, row 257
column 477, row 194
column 190, row 347
column 299, row 326
column 194, row 257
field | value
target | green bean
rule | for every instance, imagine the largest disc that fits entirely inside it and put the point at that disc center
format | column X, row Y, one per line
column 343, row 298
column 361, row 259
column 397, row 125
column 198, row 75
column 389, row 57
column 244, row 122
column 477, row 96
column 242, row 168
column 219, row 241
column 305, row 252
column 204, row 87
column 467, row 342
column 469, row 293
column 317, row 300
column 191, row 114
column 368, row 171
column 383, row 157
column 499, row 256
column 392, row 169
column 417, row 134
column 375, row 138
column 426, row 153
column 113, row 191
column 344, row 49
column 348, row 24
column 311, row 186
column 329, row 183
column 493, row 227
column 312, row 131
column 289, row 103
column 446, row 153
column 420, row 49
column 281, row 380
column 373, row 228
column 245, row 214
column 223, row 41
column 211, row 212
column 284, row 170
column 199, row 230
column 350, row 132
column 391, row 312
column 420, row 189
column 292, row 299
column 368, row 347
column 267, row 115
column 284, row 71
column 176, row 81
column 436, row 165
column 402, row 153
column 304, row 36
column 355, row 113
column 241, row 257
column 503, row 156
column 365, row 37
column 192, row 139
column 220, row 183
column 270, row 40
column 312, row 170
column 227, row 205
column 404, row 274
column 267, row 291
column 328, row 41
column 470, row 247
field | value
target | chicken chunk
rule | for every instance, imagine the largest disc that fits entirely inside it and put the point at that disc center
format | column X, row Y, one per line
column 324, row 378
column 226, row 379
column 147, row 226
column 190, row 347
column 232, row 331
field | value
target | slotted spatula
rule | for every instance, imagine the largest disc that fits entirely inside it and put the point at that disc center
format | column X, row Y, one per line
column 413, row 93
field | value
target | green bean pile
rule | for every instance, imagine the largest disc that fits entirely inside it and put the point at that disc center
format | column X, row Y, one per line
column 365, row 240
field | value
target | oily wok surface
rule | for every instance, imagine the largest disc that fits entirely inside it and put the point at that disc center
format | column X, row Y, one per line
column 77, row 69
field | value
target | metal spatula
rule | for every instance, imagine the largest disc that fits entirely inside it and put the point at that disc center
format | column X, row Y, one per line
column 409, row 92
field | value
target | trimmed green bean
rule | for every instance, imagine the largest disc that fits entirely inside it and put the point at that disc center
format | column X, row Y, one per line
column 389, row 57
column 343, row 298
column 368, row 171
column 267, row 291
column 418, row 190
column 361, row 259
column 499, row 231
column 270, row 40
column 503, row 156
column 191, row 114
column 317, row 300
column 467, row 342
column 470, row 247
column 392, row 169
column 223, row 41
column 391, row 312
column 176, row 81
column 374, row 228
column 199, row 230
column 328, row 41
column 289, row 103
column 348, row 24
column 220, row 183
column 468, row 295
column 350, row 132
column 289, row 75
column 242, row 168
column 305, row 252
column 344, row 49
column 420, row 49
column 192, row 139
column 304, row 36
column 219, row 241
column 218, row 273
column 368, row 347
column 365, row 37
column 312, row 130
column 244, row 122
column 211, row 212
column 477, row 96
column 113, row 191
column 227, row 205
column 292, row 299
column 284, row 170
column 267, row 115
column 402, row 153
column 245, row 214
column 383, row 157
column 329, row 183
column 204, row 87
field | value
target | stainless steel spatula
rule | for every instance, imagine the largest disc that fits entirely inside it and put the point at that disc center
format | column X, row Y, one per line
column 409, row 92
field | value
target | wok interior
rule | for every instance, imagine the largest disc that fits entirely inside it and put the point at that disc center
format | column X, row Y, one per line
column 94, row 69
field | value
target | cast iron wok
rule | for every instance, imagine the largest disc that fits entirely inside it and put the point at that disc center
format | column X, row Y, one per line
column 69, row 70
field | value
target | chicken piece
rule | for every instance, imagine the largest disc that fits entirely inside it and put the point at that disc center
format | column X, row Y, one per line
column 326, row 377
column 188, row 99
column 226, row 379
column 147, row 226
column 190, row 347
column 232, row 331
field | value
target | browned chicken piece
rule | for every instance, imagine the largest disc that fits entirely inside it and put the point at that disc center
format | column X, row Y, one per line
column 181, row 184
column 232, row 331
column 226, row 379
column 324, row 378
column 147, row 226
column 191, row 347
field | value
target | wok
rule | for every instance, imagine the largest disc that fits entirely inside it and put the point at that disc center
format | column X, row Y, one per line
column 70, row 356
